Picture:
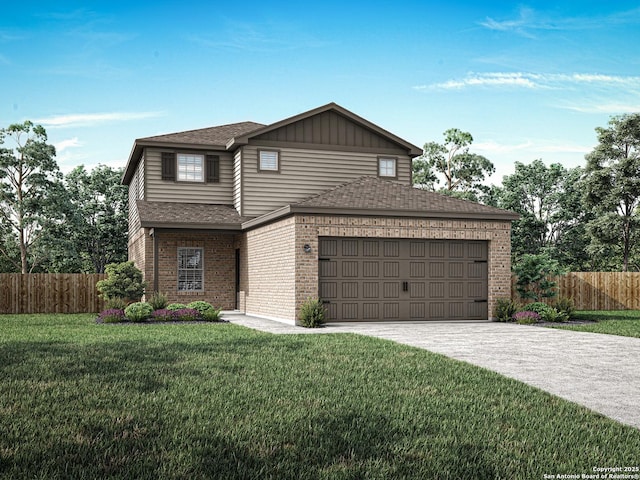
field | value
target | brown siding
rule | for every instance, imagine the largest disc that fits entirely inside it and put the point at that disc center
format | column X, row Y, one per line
column 159, row 190
column 328, row 128
column 304, row 173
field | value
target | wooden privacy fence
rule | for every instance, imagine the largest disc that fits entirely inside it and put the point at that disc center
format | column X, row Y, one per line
column 597, row 290
column 50, row 293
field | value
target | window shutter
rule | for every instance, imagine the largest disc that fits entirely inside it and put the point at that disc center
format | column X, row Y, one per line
column 168, row 166
column 213, row 168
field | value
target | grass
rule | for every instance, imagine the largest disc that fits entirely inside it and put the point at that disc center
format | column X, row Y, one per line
column 619, row 322
column 80, row 400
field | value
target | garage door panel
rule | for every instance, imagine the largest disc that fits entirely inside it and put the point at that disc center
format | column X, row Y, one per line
column 350, row 269
column 328, row 269
column 391, row 289
column 405, row 279
column 350, row 311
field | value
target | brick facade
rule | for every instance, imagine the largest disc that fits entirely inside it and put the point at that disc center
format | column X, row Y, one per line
column 276, row 245
column 268, row 270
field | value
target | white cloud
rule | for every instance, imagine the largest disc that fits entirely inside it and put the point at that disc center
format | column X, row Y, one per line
column 532, row 81
column 492, row 146
column 610, row 108
column 67, row 144
column 90, row 119
column 531, row 147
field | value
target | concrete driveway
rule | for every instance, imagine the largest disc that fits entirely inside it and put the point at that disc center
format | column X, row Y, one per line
column 601, row 372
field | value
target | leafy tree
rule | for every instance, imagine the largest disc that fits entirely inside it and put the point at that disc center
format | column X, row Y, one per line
column 462, row 172
column 96, row 233
column 612, row 188
column 30, row 191
column 552, row 217
column 533, row 276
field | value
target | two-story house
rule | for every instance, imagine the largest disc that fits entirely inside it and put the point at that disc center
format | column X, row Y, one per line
column 258, row 218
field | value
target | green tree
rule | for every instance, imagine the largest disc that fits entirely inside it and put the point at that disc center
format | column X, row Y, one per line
column 462, row 172
column 96, row 233
column 612, row 188
column 534, row 274
column 30, row 190
column 552, row 216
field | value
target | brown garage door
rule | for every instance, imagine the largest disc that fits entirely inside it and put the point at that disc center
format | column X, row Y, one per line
column 403, row 279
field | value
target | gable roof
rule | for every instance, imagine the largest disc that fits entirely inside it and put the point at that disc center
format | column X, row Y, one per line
column 374, row 196
column 232, row 136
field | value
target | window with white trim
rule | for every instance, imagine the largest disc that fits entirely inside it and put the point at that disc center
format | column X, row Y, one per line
column 190, row 167
column 190, row 270
column 387, row 167
column 269, row 160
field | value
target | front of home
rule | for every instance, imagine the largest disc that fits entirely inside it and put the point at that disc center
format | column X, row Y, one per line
column 258, row 218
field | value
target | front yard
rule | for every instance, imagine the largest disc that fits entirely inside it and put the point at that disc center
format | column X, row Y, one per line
column 80, row 400
column 620, row 322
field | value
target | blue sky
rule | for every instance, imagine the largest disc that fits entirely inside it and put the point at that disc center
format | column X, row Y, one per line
column 528, row 80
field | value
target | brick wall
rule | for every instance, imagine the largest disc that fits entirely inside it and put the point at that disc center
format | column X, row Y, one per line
column 497, row 233
column 268, row 271
column 219, row 267
column 141, row 253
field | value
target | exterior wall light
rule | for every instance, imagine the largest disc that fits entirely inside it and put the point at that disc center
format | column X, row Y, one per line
column 307, row 248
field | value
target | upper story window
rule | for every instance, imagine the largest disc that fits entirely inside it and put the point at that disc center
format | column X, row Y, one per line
column 190, row 167
column 387, row 167
column 268, row 161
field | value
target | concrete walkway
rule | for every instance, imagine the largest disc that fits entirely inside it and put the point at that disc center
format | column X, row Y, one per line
column 601, row 372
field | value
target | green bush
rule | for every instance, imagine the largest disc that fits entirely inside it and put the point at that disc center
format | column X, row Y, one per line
column 176, row 306
column 211, row 315
column 504, row 309
column 565, row 306
column 312, row 313
column 138, row 312
column 200, row 306
column 158, row 301
column 124, row 280
column 546, row 312
column 115, row 303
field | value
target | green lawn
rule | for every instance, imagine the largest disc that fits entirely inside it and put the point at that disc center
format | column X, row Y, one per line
column 619, row 322
column 80, row 400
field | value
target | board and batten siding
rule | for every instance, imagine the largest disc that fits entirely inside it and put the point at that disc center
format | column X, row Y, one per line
column 159, row 190
column 304, row 173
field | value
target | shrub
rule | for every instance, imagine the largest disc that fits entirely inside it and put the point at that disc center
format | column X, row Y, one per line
column 504, row 309
column 200, row 306
column 538, row 307
column 124, row 280
column 212, row 315
column 533, row 274
column 547, row 313
column 176, row 306
column 115, row 303
column 526, row 317
column 312, row 313
column 112, row 315
column 186, row 315
column 158, row 301
column 565, row 306
column 163, row 315
column 138, row 312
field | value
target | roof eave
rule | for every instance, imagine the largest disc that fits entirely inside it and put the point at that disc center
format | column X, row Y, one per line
column 236, row 227
column 389, row 212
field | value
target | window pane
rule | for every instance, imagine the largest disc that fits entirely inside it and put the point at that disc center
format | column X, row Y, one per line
column 387, row 167
column 268, row 160
column 190, row 269
column 190, row 167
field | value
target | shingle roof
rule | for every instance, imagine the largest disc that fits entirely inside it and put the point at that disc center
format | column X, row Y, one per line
column 211, row 136
column 189, row 215
column 372, row 193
